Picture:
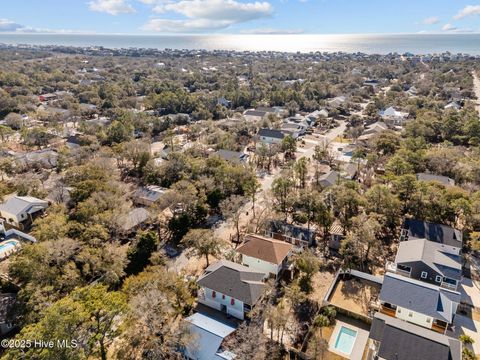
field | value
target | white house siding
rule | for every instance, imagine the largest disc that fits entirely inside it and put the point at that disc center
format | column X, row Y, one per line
column 216, row 302
column 261, row 265
column 12, row 218
column 415, row 318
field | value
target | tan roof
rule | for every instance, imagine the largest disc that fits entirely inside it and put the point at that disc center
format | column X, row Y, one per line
column 266, row 249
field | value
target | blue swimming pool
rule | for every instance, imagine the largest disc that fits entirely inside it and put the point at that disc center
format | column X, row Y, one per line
column 7, row 245
column 345, row 340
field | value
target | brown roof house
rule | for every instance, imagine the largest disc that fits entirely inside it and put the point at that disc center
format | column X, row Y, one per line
column 266, row 255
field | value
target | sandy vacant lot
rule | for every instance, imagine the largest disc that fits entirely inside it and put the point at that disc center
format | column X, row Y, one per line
column 320, row 283
column 354, row 295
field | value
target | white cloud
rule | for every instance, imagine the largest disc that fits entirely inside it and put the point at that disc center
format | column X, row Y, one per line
column 184, row 26
column 449, row 27
column 9, row 26
column 112, row 7
column 431, row 20
column 204, row 15
column 13, row 27
column 229, row 10
column 272, row 31
column 470, row 10
column 158, row 6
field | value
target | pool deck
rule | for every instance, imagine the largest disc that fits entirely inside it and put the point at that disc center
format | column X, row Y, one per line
column 358, row 346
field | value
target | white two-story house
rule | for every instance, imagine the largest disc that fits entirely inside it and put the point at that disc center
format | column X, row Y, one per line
column 231, row 288
column 417, row 302
column 266, row 255
column 19, row 209
column 428, row 261
column 270, row 136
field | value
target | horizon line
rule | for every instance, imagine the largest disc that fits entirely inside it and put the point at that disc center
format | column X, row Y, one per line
column 237, row 34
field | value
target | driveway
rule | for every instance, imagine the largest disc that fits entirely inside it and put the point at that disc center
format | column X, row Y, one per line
column 470, row 293
column 465, row 325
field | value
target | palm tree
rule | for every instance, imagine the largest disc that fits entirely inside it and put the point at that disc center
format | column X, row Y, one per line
column 320, row 322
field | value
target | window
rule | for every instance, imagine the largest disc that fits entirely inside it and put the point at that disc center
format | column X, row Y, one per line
column 399, row 310
column 404, row 268
column 429, row 320
column 450, row 281
column 214, row 294
column 232, row 301
column 438, row 278
column 223, row 296
column 424, row 275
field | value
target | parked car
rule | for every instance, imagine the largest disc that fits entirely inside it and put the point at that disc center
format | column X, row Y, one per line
column 170, row 251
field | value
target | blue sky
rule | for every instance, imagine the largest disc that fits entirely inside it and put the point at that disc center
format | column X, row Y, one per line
column 240, row 16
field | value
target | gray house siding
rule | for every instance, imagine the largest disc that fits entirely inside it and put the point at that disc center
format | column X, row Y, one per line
column 417, row 269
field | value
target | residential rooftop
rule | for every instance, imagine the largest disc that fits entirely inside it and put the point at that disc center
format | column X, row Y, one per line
column 431, row 254
column 445, row 180
column 234, row 280
column 419, row 296
column 400, row 340
column 444, row 234
column 269, row 250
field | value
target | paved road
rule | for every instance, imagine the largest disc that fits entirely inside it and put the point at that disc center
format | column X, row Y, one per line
column 476, row 89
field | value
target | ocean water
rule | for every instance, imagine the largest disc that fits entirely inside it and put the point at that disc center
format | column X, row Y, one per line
column 370, row 44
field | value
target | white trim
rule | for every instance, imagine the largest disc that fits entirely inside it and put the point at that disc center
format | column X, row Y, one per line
column 424, row 275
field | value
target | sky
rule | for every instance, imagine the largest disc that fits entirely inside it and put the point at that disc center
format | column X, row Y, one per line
column 240, row 16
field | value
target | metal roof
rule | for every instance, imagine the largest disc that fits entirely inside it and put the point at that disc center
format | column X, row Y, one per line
column 207, row 337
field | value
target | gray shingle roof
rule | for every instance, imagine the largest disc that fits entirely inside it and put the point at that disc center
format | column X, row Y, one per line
column 134, row 218
column 229, row 155
column 431, row 254
column 234, row 280
column 19, row 204
column 419, row 296
column 432, row 177
column 271, row 133
column 255, row 113
column 400, row 340
column 440, row 233
column 328, row 179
